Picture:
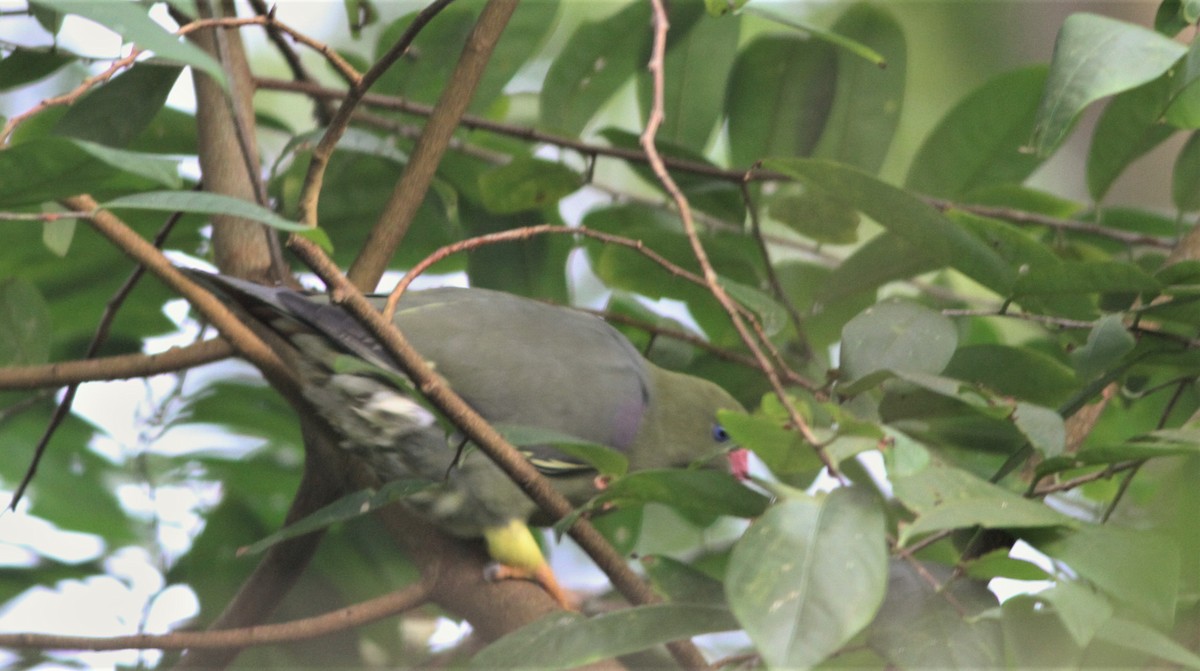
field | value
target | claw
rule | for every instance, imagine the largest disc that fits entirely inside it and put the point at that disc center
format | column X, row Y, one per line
column 542, row 575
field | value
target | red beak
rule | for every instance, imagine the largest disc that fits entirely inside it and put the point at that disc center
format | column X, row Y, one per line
column 739, row 463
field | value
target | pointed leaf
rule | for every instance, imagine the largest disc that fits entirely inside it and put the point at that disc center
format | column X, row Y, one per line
column 568, row 640
column 905, row 215
column 597, row 60
column 1094, row 57
column 809, row 575
column 105, row 116
column 348, row 507
column 897, row 335
column 132, row 22
column 867, row 102
column 919, row 627
column 778, row 97
column 979, row 142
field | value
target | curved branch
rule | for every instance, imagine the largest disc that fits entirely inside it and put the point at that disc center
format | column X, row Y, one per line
column 311, row 191
column 304, row 629
column 655, row 120
column 247, row 343
column 119, row 367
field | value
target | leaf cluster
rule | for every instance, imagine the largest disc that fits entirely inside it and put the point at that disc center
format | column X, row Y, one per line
column 987, row 364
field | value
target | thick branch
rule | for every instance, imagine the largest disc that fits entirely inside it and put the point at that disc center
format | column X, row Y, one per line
column 311, row 192
column 406, row 198
column 298, row 630
column 120, row 367
column 249, row 345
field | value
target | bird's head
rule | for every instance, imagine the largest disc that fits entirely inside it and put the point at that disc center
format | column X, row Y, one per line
column 681, row 427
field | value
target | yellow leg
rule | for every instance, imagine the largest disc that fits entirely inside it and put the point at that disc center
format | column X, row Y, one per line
column 518, row 557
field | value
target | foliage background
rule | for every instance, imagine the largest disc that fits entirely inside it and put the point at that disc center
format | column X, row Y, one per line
column 990, row 322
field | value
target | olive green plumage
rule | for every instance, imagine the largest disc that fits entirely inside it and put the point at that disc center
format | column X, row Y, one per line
column 517, row 362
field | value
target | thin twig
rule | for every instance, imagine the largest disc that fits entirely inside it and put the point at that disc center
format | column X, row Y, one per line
column 98, row 339
column 359, row 84
column 324, row 109
column 1034, row 218
column 685, row 212
column 524, row 233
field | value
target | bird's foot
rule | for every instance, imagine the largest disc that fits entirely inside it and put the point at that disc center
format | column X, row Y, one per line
column 543, row 576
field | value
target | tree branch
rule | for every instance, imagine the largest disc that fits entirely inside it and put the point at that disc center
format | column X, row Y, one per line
column 304, row 629
column 311, row 191
column 410, row 191
column 119, row 367
column 655, row 120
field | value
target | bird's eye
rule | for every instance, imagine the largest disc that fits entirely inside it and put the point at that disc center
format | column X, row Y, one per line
column 719, row 433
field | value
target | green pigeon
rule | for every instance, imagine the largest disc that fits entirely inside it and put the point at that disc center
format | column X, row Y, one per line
column 517, row 362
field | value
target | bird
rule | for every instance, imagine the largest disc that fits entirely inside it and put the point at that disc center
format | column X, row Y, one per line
column 517, row 362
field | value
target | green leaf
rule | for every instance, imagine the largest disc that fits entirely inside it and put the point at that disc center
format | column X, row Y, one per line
column 1185, row 178
column 1169, row 19
column 1129, row 127
column 25, row 332
column 897, row 335
column 782, row 450
column 884, row 258
column 57, row 235
column 1042, row 427
column 527, row 184
column 905, row 215
column 1081, row 610
column 771, row 315
column 1023, row 372
column 778, row 97
column 809, row 575
column 50, row 168
column 105, row 115
column 681, row 583
column 1161, row 443
column 1094, row 57
column 997, row 564
column 1137, row 636
column 1139, row 568
column 867, row 102
column 1084, row 277
column 723, row 7
column 920, row 627
column 599, row 57
column 348, row 507
column 816, row 216
column 568, row 640
column 1035, row 635
column 1107, row 343
column 201, row 202
column 132, row 22
column 981, row 141
column 945, row 497
column 24, row 66
column 1183, row 110
column 834, row 39
column 699, row 493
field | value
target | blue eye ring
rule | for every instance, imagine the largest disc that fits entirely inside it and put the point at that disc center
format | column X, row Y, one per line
column 719, row 433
